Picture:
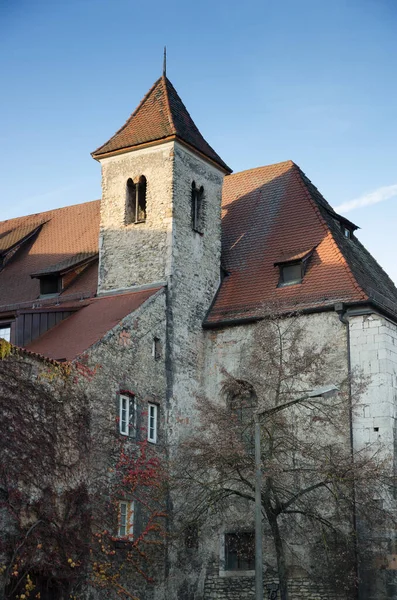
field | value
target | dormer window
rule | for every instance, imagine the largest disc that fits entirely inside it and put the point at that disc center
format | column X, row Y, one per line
column 57, row 277
column 347, row 232
column 291, row 274
column 293, row 268
column 197, row 208
column 50, row 284
column 135, row 207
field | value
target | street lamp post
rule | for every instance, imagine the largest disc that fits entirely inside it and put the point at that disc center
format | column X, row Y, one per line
column 317, row 393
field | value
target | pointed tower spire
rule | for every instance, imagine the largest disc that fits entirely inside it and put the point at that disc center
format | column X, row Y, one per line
column 160, row 116
column 165, row 62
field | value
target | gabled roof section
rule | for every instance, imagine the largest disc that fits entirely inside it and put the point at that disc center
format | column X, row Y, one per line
column 61, row 235
column 273, row 212
column 160, row 115
column 14, row 237
column 78, row 260
column 73, row 336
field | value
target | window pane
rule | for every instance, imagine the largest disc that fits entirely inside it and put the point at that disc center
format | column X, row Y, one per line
column 122, row 519
column 49, row 285
column 124, row 415
column 5, row 333
column 240, row 551
column 152, row 423
column 131, row 417
column 292, row 273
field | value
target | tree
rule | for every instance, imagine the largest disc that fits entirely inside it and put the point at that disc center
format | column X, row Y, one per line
column 314, row 482
column 61, row 484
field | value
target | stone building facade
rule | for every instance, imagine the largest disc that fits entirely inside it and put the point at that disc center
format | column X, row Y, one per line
column 162, row 284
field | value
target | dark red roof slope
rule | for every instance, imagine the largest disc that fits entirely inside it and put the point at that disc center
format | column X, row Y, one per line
column 272, row 213
column 73, row 336
column 64, row 233
column 160, row 115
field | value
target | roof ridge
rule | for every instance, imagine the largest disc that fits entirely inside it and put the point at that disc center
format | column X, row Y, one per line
column 132, row 115
column 297, row 171
column 283, row 162
column 165, row 81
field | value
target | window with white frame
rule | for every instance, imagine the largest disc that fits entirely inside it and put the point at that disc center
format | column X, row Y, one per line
column 126, row 519
column 5, row 332
column 152, row 423
column 127, row 415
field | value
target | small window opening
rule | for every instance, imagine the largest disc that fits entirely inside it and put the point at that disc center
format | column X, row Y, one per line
column 126, row 519
column 127, row 415
column 347, row 233
column 197, row 208
column 242, row 404
column 135, row 209
column 291, row 274
column 50, row 284
column 376, row 428
column 156, row 348
column 5, row 332
column 192, row 536
column 240, row 551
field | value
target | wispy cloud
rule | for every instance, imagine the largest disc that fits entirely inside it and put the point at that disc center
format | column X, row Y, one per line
column 383, row 193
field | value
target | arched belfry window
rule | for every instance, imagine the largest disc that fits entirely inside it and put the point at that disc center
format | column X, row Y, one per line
column 135, row 206
column 197, row 208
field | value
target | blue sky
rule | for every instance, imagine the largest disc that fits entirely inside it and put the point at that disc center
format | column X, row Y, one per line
column 309, row 80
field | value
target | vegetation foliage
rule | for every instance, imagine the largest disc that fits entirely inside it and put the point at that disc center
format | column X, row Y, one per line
column 61, row 479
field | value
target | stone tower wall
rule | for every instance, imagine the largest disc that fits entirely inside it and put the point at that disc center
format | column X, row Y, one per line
column 138, row 253
column 194, row 280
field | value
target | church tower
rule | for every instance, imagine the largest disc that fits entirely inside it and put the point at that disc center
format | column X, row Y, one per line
column 161, row 196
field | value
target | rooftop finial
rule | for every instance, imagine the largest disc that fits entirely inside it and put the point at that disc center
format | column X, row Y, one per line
column 165, row 62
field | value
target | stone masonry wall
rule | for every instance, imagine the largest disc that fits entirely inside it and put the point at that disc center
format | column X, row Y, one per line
column 230, row 349
column 236, row 588
column 123, row 360
column 194, row 280
column 373, row 342
column 138, row 253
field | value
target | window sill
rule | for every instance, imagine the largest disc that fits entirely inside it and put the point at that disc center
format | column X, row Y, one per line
column 284, row 285
column 121, row 544
column 241, row 573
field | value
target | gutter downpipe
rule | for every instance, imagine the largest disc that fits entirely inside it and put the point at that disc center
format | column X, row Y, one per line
column 344, row 318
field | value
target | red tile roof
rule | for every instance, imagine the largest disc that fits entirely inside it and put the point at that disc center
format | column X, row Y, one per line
column 160, row 115
column 270, row 215
column 14, row 236
column 73, row 336
column 275, row 211
column 65, row 233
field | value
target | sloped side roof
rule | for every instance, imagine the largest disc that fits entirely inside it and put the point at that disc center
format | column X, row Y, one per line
column 367, row 272
column 160, row 115
column 275, row 211
column 66, row 232
column 73, row 336
column 11, row 238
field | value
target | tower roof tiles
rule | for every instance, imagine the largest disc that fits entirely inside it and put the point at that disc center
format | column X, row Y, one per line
column 161, row 115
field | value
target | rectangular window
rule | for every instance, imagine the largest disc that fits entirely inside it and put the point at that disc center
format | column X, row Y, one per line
column 127, row 415
column 291, row 274
column 240, row 551
column 5, row 332
column 50, row 284
column 126, row 519
column 152, row 423
column 156, row 348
